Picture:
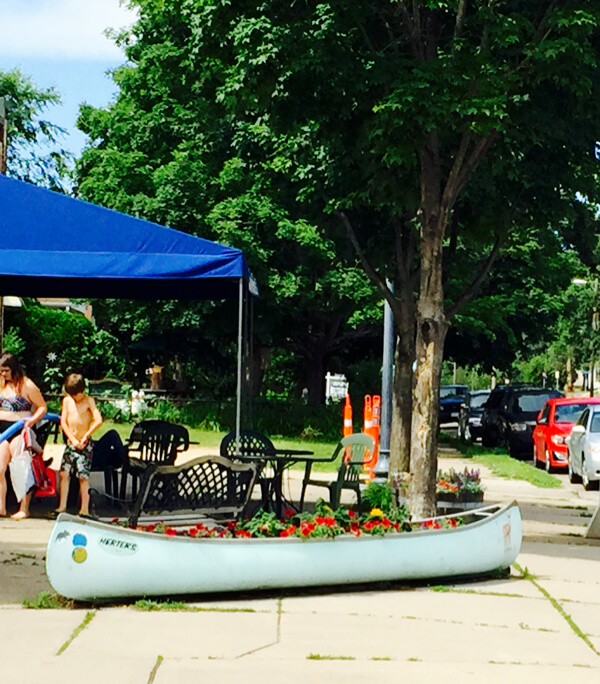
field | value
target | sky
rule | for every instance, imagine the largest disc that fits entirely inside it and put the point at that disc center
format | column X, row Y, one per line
column 61, row 43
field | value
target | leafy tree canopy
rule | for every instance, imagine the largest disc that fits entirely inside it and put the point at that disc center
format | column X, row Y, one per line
column 33, row 151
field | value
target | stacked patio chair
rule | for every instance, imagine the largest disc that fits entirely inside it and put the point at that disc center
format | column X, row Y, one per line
column 155, row 442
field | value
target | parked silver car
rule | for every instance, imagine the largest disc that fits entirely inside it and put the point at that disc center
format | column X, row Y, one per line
column 584, row 449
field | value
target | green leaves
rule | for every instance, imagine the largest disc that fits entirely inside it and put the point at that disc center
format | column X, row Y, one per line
column 33, row 152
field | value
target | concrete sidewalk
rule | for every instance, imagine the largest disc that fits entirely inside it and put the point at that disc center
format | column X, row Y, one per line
column 541, row 627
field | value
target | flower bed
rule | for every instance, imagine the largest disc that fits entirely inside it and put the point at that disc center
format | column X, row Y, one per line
column 459, row 486
column 325, row 523
column 451, row 486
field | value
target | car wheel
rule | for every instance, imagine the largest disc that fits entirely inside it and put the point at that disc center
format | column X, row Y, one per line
column 574, row 478
column 588, row 485
column 512, row 450
column 547, row 464
column 486, row 438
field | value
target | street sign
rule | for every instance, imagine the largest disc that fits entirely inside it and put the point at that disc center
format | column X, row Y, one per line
column 336, row 387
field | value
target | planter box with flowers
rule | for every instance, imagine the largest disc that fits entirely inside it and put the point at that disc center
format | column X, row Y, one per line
column 454, row 490
column 459, row 490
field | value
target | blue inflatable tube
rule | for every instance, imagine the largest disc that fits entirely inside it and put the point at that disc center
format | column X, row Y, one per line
column 18, row 424
column 13, row 429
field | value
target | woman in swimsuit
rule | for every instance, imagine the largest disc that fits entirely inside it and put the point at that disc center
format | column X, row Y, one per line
column 20, row 399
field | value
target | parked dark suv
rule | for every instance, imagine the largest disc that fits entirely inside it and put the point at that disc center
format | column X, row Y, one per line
column 469, row 417
column 509, row 417
column 451, row 397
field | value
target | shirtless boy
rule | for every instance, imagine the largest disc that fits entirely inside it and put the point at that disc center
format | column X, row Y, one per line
column 79, row 418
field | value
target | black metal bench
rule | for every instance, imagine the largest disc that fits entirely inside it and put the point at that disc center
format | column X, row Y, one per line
column 206, row 487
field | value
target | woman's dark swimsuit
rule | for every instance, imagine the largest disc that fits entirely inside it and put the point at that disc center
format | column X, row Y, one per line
column 14, row 403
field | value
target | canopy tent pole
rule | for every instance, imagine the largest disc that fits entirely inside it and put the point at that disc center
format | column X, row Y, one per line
column 1, row 323
column 238, row 408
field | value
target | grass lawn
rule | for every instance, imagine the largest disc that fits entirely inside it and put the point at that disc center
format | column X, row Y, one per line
column 501, row 464
column 497, row 460
column 209, row 438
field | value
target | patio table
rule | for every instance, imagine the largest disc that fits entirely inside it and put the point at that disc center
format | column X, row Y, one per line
column 279, row 460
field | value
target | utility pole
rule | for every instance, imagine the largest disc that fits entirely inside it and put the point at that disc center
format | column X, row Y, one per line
column 383, row 462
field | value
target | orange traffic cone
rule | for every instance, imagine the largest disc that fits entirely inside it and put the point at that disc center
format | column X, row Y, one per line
column 347, row 428
column 376, row 424
column 368, row 429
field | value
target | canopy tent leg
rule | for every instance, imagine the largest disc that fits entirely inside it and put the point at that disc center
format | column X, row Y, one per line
column 238, row 408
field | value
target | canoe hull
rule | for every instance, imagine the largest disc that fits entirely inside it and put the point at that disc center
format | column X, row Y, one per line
column 88, row 560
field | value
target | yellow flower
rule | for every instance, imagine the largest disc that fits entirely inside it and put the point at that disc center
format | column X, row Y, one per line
column 377, row 513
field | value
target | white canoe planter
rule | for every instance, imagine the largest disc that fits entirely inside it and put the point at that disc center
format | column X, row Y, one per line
column 88, row 560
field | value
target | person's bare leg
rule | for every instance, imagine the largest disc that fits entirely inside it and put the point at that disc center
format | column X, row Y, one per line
column 4, row 459
column 84, row 488
column 23, row 511
column 64, row 491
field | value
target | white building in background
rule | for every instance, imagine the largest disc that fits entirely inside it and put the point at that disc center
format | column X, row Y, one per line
column 67, row 305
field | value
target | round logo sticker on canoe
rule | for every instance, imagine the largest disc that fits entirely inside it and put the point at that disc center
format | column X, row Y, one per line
column 79, row 539
column 79, row 554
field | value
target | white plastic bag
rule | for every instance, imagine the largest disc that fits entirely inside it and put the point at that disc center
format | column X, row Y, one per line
column 21, row 472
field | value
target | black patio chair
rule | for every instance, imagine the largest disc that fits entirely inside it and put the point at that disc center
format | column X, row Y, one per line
column 252, row 448
column 155, row 442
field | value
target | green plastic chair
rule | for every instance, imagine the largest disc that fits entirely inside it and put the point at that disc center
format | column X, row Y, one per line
column 359, row 450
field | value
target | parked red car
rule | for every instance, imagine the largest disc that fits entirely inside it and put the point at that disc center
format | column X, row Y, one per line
column 554, row 424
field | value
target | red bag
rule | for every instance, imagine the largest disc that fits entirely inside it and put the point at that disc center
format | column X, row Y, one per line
column 49, row 489
column 43, row 482
column 45, row 478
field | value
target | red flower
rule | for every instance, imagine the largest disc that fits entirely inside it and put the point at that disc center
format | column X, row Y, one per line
column 199, row 526
column 193, row 532
column 231, row 525
column 355, row 531
column 288, row 513
column 437, row 526
column 242, row 533
column 319, row 519
column 291, row 529
column 150, row 528
column 369, row 525
column 386, row 523
column 330, row 522
column 115, row 520
column 351, row 513
column 170, row 531
column 284, row 533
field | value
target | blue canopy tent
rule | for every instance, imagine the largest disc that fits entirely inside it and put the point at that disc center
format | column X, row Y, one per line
column 56, row 246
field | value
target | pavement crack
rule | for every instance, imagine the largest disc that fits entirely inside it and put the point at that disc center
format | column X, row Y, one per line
column 77, row 631
column 557, row 605
column 277, row 637
column 154, row 670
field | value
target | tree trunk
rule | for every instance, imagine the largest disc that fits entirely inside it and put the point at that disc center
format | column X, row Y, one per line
column 424, row 442
column 261, row 358
column 314, row 376
column 431, row 333
column 402, row 401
